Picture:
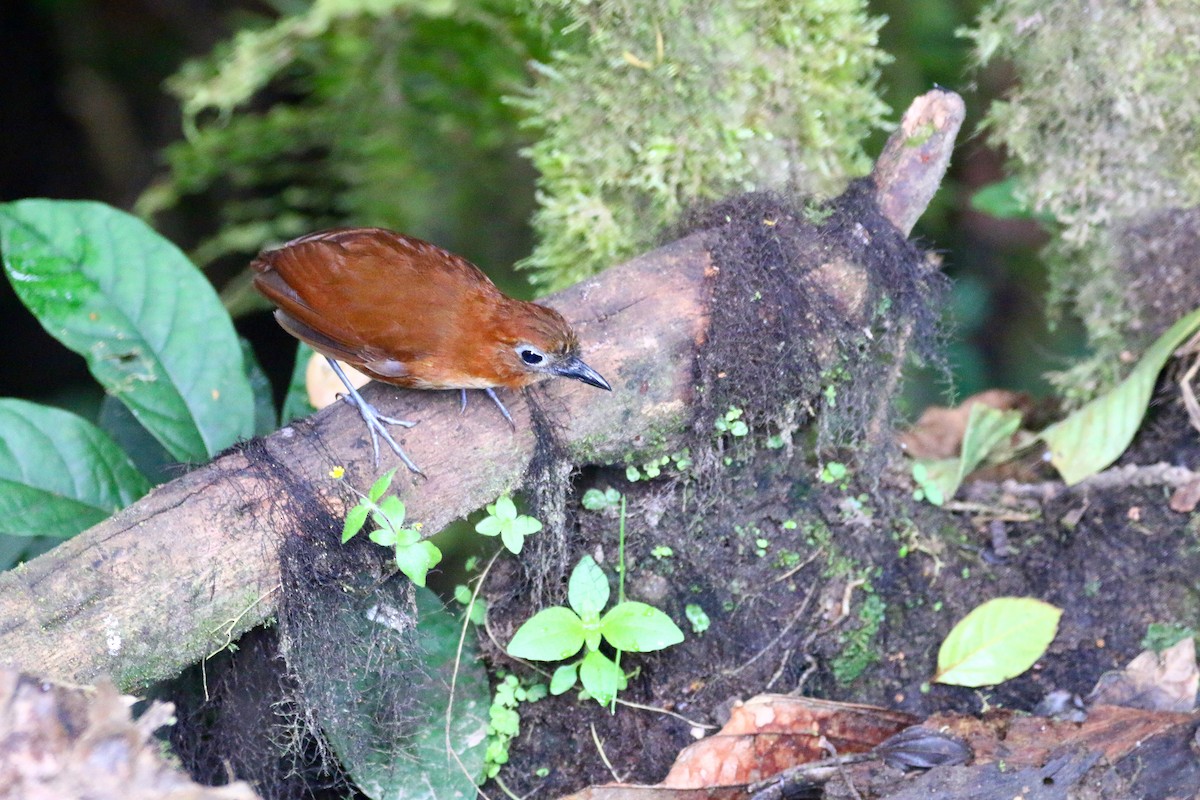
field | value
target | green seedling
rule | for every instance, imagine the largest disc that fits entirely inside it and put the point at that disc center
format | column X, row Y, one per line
column 696, row 617
column 414, row 556
column 731, row 422
column 559, row 632
column 504, row 720
column 596, row 500
column 504, row 521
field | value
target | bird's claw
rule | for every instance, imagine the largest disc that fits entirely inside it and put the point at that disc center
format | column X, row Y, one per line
column 374, row 420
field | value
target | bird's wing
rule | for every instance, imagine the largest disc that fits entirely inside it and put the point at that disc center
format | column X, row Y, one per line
column 371, row 297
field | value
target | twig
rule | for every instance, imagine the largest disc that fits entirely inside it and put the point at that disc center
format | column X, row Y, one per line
column 603, row 755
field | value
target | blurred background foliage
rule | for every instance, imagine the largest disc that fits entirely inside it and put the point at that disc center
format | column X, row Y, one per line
column 488, row 126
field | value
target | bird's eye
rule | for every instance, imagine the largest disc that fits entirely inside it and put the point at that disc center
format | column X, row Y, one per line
column 531, row 357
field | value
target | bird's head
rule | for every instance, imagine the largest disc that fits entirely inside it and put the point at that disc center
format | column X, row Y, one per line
column 537, row 342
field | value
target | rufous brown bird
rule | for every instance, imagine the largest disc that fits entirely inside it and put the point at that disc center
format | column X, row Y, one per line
column 411, row 314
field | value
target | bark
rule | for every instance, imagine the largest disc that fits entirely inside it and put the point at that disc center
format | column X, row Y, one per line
column 185, row 570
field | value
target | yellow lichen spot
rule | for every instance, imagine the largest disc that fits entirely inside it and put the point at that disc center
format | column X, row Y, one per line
column 337, row 473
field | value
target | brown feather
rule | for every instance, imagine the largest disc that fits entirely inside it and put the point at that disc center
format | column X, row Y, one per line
column 405, row 311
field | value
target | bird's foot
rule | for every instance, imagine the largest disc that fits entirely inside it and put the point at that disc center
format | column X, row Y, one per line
column 375, row 421
column 492, row 394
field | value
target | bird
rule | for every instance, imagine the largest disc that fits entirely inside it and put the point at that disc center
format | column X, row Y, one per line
column 408, row 313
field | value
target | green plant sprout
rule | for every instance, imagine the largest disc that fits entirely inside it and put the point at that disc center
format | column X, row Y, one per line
column 833, row 472
column 696, row 617
column 662, row 551
column 596, row 500
column 731, row 422
column 927, row 487
column 504, row 720
column 477, row 611
column 558, row 632
column 503, row 520
column 414, row 556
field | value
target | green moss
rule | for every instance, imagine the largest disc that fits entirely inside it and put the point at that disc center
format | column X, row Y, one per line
column 860, row 651
column 1103, row 126
column 648, row 108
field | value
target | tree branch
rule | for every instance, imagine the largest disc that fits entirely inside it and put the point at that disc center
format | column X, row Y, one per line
column 189, row 567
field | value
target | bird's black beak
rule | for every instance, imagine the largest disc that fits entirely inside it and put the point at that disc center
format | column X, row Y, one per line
column 573, row 367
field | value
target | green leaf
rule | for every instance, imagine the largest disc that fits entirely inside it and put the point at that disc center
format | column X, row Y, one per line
column 389, row 513
column 639, row 628
column 149, row 324
column 504, row 508
column 295, row 402
column 987, row 428
column 1001, row 200
column 588, row 590
column 355, row 519
column 1093, row 437
column 146, row 452
column 526, row 526
column 418, row 766
column 998, row 640
column 552, row 634
column 512, row 539
column 260, row 385
column 416, row 560
column 384, row 537
column 488, row 526
column 594, row 500
column 564, row 678
column 59, row 474
column 381, row 485
column 600, row 676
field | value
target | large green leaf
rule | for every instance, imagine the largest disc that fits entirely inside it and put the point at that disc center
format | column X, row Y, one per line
column 149, row 324
column 59, row 474
column 420, row 767
column 295, row 402
column 260, row 385
column 998, row 640
column 1095, row 436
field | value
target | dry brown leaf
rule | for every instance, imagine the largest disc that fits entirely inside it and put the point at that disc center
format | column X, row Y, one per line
column 770, row 733
column 1165, row 681
column 1024, row 741
column 1186, row 497
column 939, row 431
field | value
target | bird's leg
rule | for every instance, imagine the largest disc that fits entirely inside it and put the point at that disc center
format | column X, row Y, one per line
column 492, row 394
column 374, row 420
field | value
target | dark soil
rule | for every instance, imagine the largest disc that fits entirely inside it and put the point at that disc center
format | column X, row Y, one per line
column 1115, row 562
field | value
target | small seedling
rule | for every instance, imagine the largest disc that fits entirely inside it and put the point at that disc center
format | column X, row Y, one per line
column 833, row 472
column 596, row 500
column 696, row 616
column 927, row 488
column 559, row 632
column 503, row 520
column 662, row 551
column 414, row 556
column 731, row 422
column 477, row 612
column 504, row 720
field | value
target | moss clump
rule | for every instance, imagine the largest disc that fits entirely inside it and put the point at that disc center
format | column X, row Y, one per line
column 1102, row 130
column 649, row 108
